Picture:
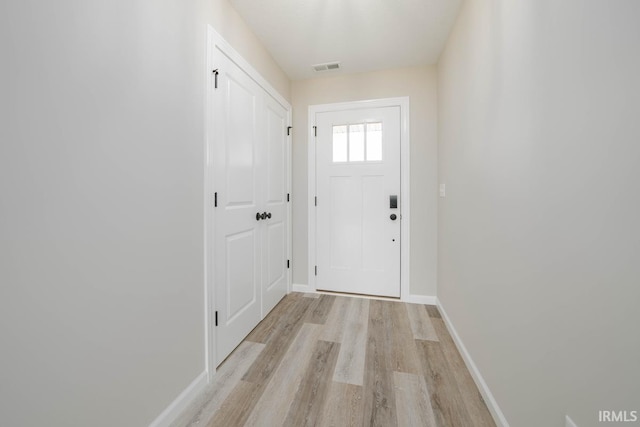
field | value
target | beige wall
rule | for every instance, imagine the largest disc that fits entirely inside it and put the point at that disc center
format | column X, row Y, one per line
column 419, row 84
column 228, row 23
column 101, row 207
column 539, row 243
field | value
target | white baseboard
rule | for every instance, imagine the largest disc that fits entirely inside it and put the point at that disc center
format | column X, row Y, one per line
column 421, row 299
column 171, row 412
column 302, row 288
column 569, row 422
column 497, row 414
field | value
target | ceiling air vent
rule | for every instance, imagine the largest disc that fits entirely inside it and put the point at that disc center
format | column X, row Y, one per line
column 327, row 66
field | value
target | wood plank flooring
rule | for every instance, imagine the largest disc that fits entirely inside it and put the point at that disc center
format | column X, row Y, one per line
column 339, row 361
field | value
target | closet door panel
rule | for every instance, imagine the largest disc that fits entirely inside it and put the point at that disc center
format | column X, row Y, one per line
column 275, row 234
column 238, row 178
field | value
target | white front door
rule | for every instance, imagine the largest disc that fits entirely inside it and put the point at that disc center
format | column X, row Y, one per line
column 358, row 210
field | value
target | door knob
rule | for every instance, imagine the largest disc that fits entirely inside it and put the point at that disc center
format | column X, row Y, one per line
column 263, row 215
column 393, row 217
column 258, row 216
column 269, row 215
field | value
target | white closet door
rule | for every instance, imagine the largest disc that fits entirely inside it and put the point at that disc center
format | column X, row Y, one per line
column 238, row 172
column 275, row 236
column 250, row 168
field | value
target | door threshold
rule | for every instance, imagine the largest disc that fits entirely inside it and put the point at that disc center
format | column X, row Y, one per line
column 354, row 295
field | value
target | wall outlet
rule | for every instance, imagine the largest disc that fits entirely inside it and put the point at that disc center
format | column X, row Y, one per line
column 569, row 422
column 443, row 191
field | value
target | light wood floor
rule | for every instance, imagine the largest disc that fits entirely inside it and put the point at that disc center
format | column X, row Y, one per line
column 338, row 361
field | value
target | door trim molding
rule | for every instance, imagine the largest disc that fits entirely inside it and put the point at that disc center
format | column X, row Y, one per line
column 216, row 41
column 405, row 183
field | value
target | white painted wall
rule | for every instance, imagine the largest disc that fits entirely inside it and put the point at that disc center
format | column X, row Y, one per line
column 419, row 83
column 539, row 243
column 101, row 204
column 230, row 25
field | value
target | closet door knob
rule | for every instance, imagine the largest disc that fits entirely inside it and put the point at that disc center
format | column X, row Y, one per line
column 258, row 216
column 269, row 215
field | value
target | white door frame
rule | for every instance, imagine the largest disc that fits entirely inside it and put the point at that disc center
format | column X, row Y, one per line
column 216, row 41
column 405, row 184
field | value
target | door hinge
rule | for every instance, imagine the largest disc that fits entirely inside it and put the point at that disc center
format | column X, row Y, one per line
column 288, row 197
column 316, row 200
column 315, row 131
column 215, row 78
column 316, row 270
column 289, row 130
column 215, row 199
column 288, row 264
column 216, row 318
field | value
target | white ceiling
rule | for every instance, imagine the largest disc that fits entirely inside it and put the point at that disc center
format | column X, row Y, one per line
column 364, row 35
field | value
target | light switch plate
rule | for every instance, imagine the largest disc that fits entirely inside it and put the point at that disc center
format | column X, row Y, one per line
column 443, row 191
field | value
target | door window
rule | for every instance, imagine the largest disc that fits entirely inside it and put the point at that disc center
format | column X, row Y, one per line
column 359, row 142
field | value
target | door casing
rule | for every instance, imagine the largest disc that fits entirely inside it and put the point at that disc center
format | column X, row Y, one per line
column 216, row 42
column 405, row 184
